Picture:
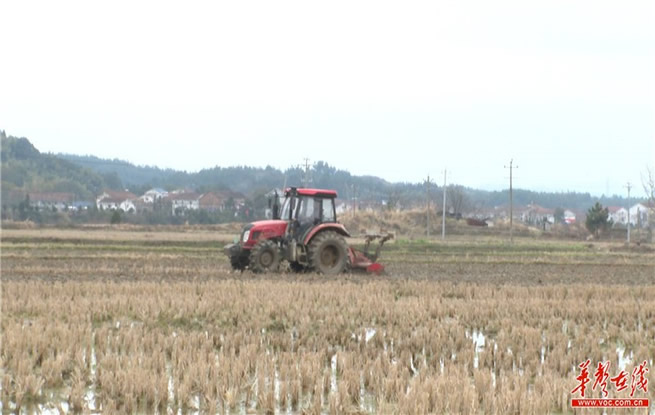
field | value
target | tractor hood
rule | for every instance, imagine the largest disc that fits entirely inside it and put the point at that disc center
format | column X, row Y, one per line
column 263, row 229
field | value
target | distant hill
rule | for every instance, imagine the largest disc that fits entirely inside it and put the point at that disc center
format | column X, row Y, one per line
column 129, row 174
column 247, row 180
column 25, row 169
column 365, row 189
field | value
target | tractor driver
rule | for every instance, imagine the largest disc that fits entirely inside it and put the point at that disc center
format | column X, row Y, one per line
column 309, row 213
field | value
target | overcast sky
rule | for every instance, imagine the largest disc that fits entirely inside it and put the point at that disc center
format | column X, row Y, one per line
column 398, row 90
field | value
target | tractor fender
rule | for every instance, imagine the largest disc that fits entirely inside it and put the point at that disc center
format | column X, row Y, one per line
column 337, row 227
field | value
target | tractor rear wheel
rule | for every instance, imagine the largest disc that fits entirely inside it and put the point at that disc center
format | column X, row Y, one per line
column 264, row 257
column 328, row 253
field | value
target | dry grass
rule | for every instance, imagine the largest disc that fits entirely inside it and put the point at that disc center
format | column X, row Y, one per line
column 167, row 330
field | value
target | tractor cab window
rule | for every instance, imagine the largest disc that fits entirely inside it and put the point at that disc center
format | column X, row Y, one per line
column 308, row 210
column 327, row 207
column 289, row 204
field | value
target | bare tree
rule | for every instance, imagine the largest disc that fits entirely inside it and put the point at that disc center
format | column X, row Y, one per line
column 648, row 181
column 457, row 199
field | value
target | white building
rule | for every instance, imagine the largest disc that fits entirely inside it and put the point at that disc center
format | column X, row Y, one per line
column 618, row 215
column 154, row 194
column 51, row 200
column 114, row 200
column 537, row 215
column 639, row 215
column 181, row 202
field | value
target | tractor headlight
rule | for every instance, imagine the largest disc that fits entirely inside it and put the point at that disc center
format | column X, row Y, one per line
column 246, row 235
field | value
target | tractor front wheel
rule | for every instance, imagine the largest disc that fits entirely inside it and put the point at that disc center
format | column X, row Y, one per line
column 264, row 257
column 328, row 253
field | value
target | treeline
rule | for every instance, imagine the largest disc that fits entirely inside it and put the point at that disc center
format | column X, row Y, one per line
column 25, row 169
column 243, row 179
column 364, row 189
column 552, row 200
column 24, row 212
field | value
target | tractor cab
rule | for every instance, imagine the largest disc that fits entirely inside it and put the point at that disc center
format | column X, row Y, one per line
column 304, row 209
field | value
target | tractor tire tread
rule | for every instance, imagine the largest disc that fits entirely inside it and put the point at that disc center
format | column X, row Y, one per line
column 320, row 242
column 258, row 250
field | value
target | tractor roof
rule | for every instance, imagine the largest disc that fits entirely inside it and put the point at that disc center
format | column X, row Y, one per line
column 312, row 192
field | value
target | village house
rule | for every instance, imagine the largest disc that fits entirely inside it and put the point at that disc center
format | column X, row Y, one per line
column 80, row 205
column 183, row 201
column 211, row 202
column 537, row 215
column 639, row 215
column 116, row 200
column 617, row 214
column 153, row 195
column 58, row 201
column 237, row 198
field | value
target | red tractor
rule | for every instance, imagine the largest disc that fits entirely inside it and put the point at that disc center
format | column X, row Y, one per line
column 304, row 232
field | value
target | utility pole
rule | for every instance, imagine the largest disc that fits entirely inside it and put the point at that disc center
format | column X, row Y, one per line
column 307, row 178
column 354, row 199
column 443, row 210
column 511, row 201
column 427, row 215
column 628, row 186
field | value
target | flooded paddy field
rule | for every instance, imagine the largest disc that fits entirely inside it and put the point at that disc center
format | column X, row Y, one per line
column 157, row 322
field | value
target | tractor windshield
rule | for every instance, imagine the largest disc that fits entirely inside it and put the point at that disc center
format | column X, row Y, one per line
column 308, row 209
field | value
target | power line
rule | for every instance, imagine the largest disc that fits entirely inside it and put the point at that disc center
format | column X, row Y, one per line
column 427, row 214
column 443, row 211
column 628, row 186
column 511, row 167
column 353, row 198
column 307, row 178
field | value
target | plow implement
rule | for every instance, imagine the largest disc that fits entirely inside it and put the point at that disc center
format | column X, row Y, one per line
column 366, row 261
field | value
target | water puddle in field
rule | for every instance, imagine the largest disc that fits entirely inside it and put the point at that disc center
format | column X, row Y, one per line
column 62, row 406
column 624, row 360
column 333, row 374
column 412, row 367
column 369, row 334
column 49, row 410
column 479, row 340
column 171, row 385
column 367, row 401
column 90, row 395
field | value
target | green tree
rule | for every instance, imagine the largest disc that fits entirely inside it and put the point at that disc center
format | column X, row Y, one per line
column 115, row 218
column 597, row 219
column 24, row 208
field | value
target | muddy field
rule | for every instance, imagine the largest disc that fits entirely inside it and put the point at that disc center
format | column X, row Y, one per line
column 156, row 322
